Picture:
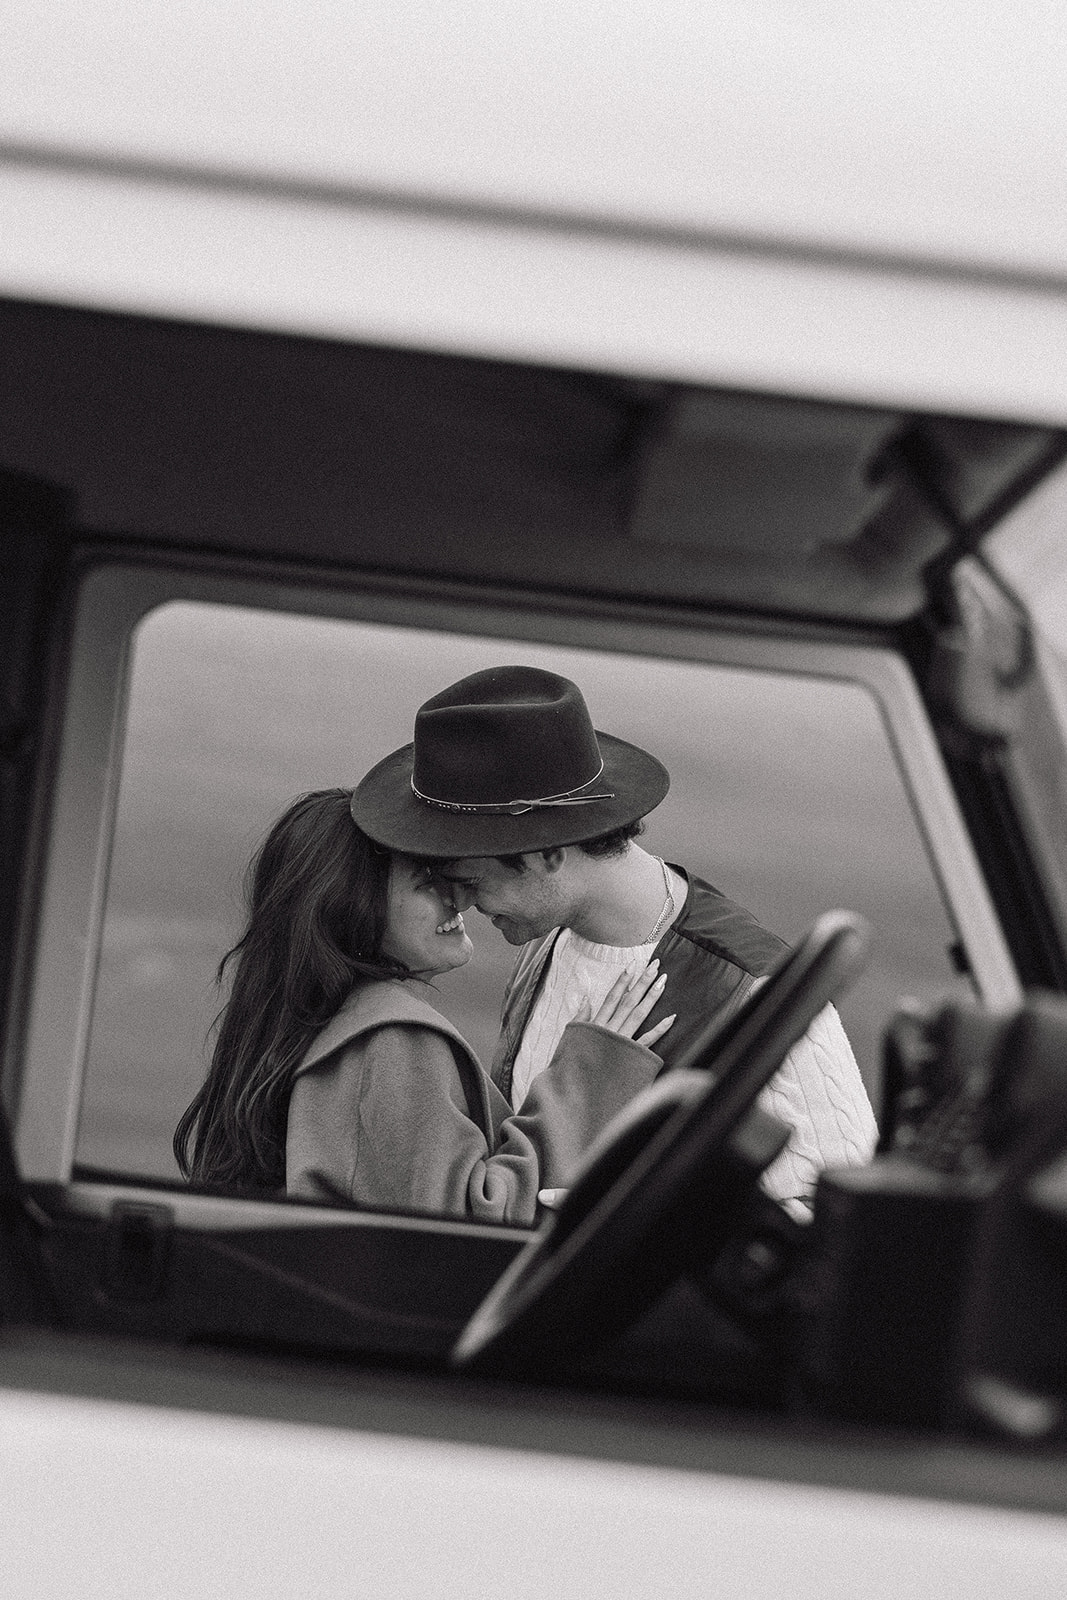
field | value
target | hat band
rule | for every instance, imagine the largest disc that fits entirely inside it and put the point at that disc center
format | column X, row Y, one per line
column 518, row 808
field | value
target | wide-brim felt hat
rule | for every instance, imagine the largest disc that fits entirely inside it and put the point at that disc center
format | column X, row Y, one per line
column 506, row 761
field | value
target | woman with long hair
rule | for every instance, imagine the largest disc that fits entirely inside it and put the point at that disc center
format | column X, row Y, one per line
column 334, row 1077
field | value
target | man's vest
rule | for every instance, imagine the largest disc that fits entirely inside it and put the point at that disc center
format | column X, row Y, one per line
column 712, row 954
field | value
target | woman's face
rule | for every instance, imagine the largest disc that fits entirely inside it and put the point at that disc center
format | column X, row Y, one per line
column 422, row 928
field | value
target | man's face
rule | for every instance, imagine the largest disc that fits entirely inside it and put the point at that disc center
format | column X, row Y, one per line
column 522, row 905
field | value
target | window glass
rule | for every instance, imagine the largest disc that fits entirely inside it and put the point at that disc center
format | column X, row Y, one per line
column 785, row 795
column 1029, row 549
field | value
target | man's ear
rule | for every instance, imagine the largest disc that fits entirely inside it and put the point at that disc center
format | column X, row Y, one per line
column 554, row 858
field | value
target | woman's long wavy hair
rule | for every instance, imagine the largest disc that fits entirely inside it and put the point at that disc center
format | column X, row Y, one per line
column 316, row 891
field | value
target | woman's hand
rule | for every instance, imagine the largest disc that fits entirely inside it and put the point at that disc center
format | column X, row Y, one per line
column 629, row 1001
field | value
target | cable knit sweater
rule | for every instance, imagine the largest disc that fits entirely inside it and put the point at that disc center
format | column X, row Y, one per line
column 714, row 954
column 819, row 1094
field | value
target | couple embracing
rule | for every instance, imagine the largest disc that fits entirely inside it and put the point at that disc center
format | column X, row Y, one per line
column 334, row 1077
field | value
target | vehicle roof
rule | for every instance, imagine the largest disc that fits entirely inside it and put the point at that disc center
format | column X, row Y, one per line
column 505, row 293
column 924, row 134
column 415, row 463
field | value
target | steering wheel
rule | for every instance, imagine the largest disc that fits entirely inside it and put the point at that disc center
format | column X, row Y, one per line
column 667, row 1181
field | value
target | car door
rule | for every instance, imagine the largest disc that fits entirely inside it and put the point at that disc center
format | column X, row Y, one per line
column 753, row 585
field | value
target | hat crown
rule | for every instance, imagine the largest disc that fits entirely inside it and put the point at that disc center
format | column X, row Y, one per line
column 504, row 735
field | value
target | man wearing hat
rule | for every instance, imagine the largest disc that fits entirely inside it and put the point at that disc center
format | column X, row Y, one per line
column 534, row 815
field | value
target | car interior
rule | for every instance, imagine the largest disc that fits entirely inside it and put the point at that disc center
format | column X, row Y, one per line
column 204, row 526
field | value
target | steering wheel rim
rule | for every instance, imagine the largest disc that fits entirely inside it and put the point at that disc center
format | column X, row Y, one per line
column 698, row 1145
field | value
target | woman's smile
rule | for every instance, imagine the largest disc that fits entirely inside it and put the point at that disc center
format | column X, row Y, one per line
column 423, row 928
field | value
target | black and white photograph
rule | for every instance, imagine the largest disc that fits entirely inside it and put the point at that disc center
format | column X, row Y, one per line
column 533, row 800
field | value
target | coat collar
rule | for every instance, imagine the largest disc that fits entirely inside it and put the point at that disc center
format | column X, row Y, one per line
column 375, row 1005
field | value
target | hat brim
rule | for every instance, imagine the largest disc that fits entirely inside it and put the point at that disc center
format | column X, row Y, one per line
column 386, row 809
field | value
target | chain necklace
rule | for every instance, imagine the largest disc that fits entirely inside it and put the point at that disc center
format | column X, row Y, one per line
column 668, row 906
